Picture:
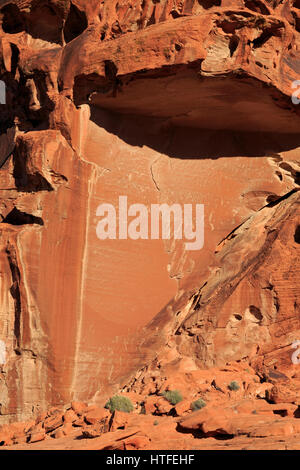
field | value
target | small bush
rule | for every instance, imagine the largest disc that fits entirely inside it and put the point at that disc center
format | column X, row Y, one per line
column 155, row 423
column 234, row 386
column 198, row 404
column 119, row 403
column 173, row 396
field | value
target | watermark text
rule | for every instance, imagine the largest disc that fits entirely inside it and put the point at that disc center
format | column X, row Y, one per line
column 153, row 224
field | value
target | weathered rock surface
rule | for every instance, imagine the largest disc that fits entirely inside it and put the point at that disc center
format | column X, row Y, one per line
column 164, row 102
column 241, row 418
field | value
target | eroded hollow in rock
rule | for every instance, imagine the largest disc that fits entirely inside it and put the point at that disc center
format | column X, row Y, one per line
column 206, row 4
column 42, row 22
column 17, row 217
column 297, row 235
column 256, row 312
column 182, row 98
column 12, row 21
column 76, row 23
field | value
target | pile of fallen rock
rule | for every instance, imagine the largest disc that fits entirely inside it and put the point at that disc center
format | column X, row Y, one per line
column 55, row 423
column 254, row 409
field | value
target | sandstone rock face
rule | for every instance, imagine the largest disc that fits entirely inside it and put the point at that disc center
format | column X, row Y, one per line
column 184, row 102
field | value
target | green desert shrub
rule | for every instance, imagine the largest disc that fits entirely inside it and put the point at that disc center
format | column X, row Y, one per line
column 198, row 404
column 234, row 386
column 119, row 403
column 173, row 396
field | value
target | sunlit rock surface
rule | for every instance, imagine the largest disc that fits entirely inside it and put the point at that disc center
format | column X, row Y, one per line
column 183, row 102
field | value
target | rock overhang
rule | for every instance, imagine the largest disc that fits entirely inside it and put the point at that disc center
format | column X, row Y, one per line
column 233, row 103
column 192, row 72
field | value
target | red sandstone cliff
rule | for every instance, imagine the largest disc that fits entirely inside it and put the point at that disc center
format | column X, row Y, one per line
column 162, row 101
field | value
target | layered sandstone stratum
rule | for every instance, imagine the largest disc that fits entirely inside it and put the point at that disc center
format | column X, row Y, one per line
column 163, row 101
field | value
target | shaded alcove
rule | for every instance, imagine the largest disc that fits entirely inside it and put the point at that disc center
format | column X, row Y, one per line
column 75, row 24
column 179, row 112
column 41, row 21
column 44, row 20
